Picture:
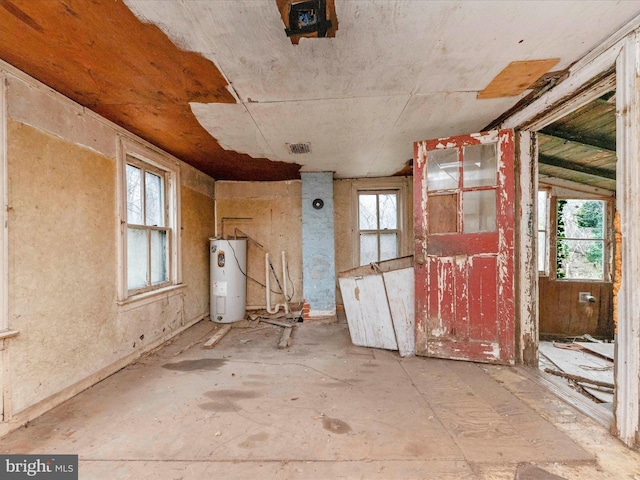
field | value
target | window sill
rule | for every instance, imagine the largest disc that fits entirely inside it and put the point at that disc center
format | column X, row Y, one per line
column 8, row 333
column 146, row 298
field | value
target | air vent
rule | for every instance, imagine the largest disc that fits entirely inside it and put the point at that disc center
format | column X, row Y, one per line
column 298, row 148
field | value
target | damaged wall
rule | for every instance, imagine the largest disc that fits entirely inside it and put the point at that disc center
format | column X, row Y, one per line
column 63, row 265
column 271, row 214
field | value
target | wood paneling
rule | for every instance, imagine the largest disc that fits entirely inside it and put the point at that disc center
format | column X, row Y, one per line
column 562, row 314
column 100, row 55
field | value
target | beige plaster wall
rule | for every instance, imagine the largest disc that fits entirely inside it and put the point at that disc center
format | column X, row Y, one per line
column 197, row 228
column 271, row 214
column 62, row 243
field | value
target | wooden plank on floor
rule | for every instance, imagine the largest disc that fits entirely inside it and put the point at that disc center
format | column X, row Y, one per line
column 580, row 363
column 285, row 339
column 217, row 336
column 603, row 349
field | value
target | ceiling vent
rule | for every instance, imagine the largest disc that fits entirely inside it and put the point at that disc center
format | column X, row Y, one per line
column 298, row 148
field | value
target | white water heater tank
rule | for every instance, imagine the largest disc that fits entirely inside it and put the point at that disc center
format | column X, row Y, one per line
column 228, row 279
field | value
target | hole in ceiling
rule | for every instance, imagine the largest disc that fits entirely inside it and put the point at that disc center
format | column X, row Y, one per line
column 308, row 18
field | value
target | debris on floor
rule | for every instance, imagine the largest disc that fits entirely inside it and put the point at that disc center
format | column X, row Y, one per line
column 217, row 336
column 586, row 365
column 378, row 301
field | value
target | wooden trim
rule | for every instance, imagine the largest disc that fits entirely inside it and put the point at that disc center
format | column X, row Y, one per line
column 627, row 365
column 526, row 291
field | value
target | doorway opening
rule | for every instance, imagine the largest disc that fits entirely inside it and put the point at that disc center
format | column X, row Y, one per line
column 576, row 210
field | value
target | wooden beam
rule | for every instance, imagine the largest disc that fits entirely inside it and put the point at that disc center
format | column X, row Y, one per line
column 578, row 378
column 285, row 339
column 576, row 167
column 600, row 142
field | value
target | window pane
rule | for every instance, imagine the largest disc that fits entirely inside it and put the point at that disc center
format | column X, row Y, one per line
column 368, row 248
column 580, row 259
column 542, row 210
column 582, row 218
column 479, row 165
column 154, row 197
column 158, row 256
column 388, row 211
column 442, row 169
column 479, row 211
column 542, row 251
column 368, row 213
column 134, row 195
column 388, row 246
column 137, row 262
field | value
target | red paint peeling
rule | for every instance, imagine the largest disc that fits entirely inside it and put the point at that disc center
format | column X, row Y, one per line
column 464, row 282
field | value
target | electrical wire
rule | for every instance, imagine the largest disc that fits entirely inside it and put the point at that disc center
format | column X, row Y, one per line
column 253, row 279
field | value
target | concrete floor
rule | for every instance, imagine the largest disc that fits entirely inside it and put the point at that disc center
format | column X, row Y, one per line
column 322, row 409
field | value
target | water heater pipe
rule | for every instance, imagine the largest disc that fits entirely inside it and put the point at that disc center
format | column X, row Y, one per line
column 277, row 306
column 284, row 284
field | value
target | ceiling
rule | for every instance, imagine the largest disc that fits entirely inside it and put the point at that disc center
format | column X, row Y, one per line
column 581, row 147
column 220, row 85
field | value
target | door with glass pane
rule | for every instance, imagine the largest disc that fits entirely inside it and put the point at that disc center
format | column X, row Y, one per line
column 464, row 207
column 378, row 225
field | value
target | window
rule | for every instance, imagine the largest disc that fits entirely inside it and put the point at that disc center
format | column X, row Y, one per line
column 543, row 232
column 467, row 187
column 580, row 242
column 148, row 216
column 378, row 225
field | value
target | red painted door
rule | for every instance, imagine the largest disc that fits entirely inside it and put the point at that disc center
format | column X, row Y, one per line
column 464, row 205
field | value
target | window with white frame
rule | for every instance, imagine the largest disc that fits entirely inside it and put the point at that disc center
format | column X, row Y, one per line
column 580, row 239
column 149, row 221
column 543, row 232
column 378, row 225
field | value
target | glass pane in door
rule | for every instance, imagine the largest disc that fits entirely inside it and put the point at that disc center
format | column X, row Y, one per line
column 479, row 166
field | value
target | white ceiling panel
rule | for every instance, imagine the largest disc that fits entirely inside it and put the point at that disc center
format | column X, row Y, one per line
column 396, row 71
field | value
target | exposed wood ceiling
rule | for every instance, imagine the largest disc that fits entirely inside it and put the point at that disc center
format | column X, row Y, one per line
column 221, row 86
column 581, row 147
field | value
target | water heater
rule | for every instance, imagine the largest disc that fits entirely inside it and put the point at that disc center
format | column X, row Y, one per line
column 228, row 279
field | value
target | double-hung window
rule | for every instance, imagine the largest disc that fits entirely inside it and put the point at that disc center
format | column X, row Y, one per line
column 149, row 221
column 580, row 239
column 543, row 232
column 378, row 225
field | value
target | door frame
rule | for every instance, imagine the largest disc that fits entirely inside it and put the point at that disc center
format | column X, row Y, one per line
column 615, row 63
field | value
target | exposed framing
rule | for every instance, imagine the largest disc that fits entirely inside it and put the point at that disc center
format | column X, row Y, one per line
column 136, row 150
column 616, row 64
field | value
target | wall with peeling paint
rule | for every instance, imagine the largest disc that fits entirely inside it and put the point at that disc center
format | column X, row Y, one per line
column 270, row 213
column 63, row 261
column 318, row 244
